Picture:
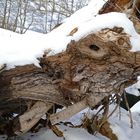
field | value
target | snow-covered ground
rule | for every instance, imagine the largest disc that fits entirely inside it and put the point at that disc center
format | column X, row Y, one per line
column 17, row 49
column 119, row 123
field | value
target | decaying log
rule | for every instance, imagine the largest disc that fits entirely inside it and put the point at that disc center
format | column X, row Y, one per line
column 92, row 66
column 29, row 82
column 70, row 111
column 130, row 7
column 31, row 117
column 90, row 69
column 116, row 6
column 97, row 65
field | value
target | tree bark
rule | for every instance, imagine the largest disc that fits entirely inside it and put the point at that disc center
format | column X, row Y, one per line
column 31, row 117
column 90, row 69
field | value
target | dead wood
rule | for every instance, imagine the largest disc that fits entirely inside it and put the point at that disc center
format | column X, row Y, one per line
column 31, row 117
column 92, row 66
column 116, row 6
column 93, row 126
column 90, row 69
column 70, row 111
column 130, row 7
column 29, row 82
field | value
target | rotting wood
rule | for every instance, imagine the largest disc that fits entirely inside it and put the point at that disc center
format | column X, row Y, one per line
column 75, row 74
column 116, row 6
column 70, row 111
column 99, row 64
column 58, row 132
column 31, row 83
column 31, row 117
column 130, row 7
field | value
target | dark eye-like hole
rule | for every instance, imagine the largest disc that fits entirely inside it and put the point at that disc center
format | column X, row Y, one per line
column 94, row 47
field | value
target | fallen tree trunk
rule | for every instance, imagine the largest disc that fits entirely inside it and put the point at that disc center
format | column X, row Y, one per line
column 29, row 82
column 68, row 79
column 90, row 69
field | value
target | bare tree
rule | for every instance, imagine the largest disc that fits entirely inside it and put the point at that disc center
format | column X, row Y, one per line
column 39, row 15
column 4, row 14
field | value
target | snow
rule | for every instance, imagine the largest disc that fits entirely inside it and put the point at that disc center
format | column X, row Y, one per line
column 122, row 127
column 42, row 8
column 24, row 49
column 119, row 123
column 134, row 88
column 69, row 134
column 136, row 107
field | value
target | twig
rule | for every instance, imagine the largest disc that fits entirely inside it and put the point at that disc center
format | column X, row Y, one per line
column 127, row 105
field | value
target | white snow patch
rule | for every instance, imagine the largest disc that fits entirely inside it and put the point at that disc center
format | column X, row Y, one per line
column 69, row 134
column 42, row 8
column 121, row 127
column 136, row 107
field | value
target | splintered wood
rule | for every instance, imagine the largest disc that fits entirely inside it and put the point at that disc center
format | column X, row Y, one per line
column 68, row 112
column 2, row 67
column 32, row 116
column 74, row 109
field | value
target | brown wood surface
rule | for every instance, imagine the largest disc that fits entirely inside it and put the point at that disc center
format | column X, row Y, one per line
column 96, row 66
